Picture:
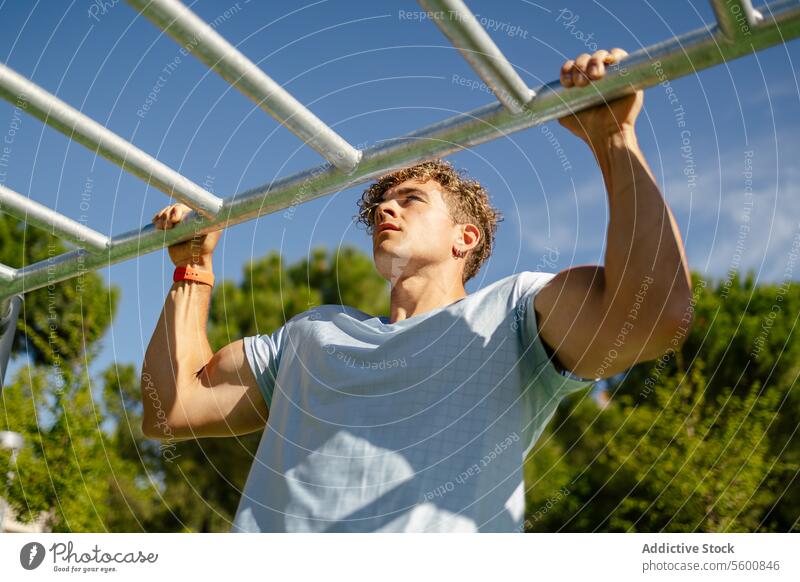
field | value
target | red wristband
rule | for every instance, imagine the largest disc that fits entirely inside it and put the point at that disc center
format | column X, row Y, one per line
column 190, row 274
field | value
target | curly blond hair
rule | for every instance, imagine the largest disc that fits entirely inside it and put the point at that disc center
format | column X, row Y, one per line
column 466, row 199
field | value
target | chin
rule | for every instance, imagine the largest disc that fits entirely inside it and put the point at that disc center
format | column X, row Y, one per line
column 391, row 266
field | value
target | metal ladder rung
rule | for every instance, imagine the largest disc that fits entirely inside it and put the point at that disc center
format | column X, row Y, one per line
column 41, row 216
column 464, row 31
column 191, row 32
column 735, row 18
column 7, row 274
column 79, row 127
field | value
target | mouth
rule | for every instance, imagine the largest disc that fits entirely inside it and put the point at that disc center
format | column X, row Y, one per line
column 386, row 226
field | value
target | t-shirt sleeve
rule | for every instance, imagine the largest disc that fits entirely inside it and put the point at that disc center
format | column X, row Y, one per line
column 263, row 353
column 542, row 384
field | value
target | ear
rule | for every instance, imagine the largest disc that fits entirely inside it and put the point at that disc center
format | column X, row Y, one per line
column 468, row 237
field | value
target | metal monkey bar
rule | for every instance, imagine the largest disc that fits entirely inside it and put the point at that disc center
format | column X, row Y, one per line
column 740, row 30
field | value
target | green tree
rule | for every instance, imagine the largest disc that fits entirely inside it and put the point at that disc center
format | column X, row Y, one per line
column 62, row 322
column 69, row 468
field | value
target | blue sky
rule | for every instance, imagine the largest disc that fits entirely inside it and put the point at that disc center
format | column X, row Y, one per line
column 373, row 71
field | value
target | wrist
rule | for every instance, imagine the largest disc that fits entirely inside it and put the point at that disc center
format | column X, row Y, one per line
column 604, row 144
column 197, row 263
column 193, row 274
column 620, row 135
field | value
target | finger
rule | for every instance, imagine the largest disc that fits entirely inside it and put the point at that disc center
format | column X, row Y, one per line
column 579, row 77
column 618, row 54
column 161, row 218
column 180, row 212
column 166, row 217
column 596, row 68
column 566, row 73
column 161, row 213
column 158, row 219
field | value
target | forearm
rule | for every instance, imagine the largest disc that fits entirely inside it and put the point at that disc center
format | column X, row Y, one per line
column 647, row 279
column 178, row 351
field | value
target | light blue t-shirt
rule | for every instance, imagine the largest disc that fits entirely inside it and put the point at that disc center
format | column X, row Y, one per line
column 419, row 425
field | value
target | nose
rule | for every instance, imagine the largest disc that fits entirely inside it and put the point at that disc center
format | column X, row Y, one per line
column 385, row 208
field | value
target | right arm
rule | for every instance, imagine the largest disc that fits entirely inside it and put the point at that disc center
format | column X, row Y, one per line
column 188, row 391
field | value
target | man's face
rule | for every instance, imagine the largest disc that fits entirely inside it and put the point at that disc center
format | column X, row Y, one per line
column 413, row 229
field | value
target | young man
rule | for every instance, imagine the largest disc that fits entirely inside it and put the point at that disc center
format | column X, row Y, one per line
column 420, row 421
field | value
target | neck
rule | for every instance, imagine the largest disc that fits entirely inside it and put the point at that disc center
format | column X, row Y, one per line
column 418, row 294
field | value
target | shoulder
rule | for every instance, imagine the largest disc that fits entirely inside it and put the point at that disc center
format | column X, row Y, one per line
column 518, row 286
column 510, row 296
column 531, row 279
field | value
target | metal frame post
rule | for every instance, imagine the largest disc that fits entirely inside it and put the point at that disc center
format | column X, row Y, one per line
column 8, row 324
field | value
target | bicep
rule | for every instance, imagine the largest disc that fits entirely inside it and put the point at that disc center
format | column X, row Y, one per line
column 574, row 323
column 225, row 400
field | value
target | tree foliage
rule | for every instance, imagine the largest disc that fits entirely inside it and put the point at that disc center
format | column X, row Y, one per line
column 63, row 321
column 66, row 470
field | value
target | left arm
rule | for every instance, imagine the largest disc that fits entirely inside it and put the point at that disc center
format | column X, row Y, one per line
column 601, row 320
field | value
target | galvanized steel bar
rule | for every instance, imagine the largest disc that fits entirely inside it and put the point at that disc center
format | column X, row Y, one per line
column 671, row 59
column 206, row 44
column 735, row 18
column 9, row 313
column 459, row 24
column 6, row 274
column 77, row 126
column 41, row 216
